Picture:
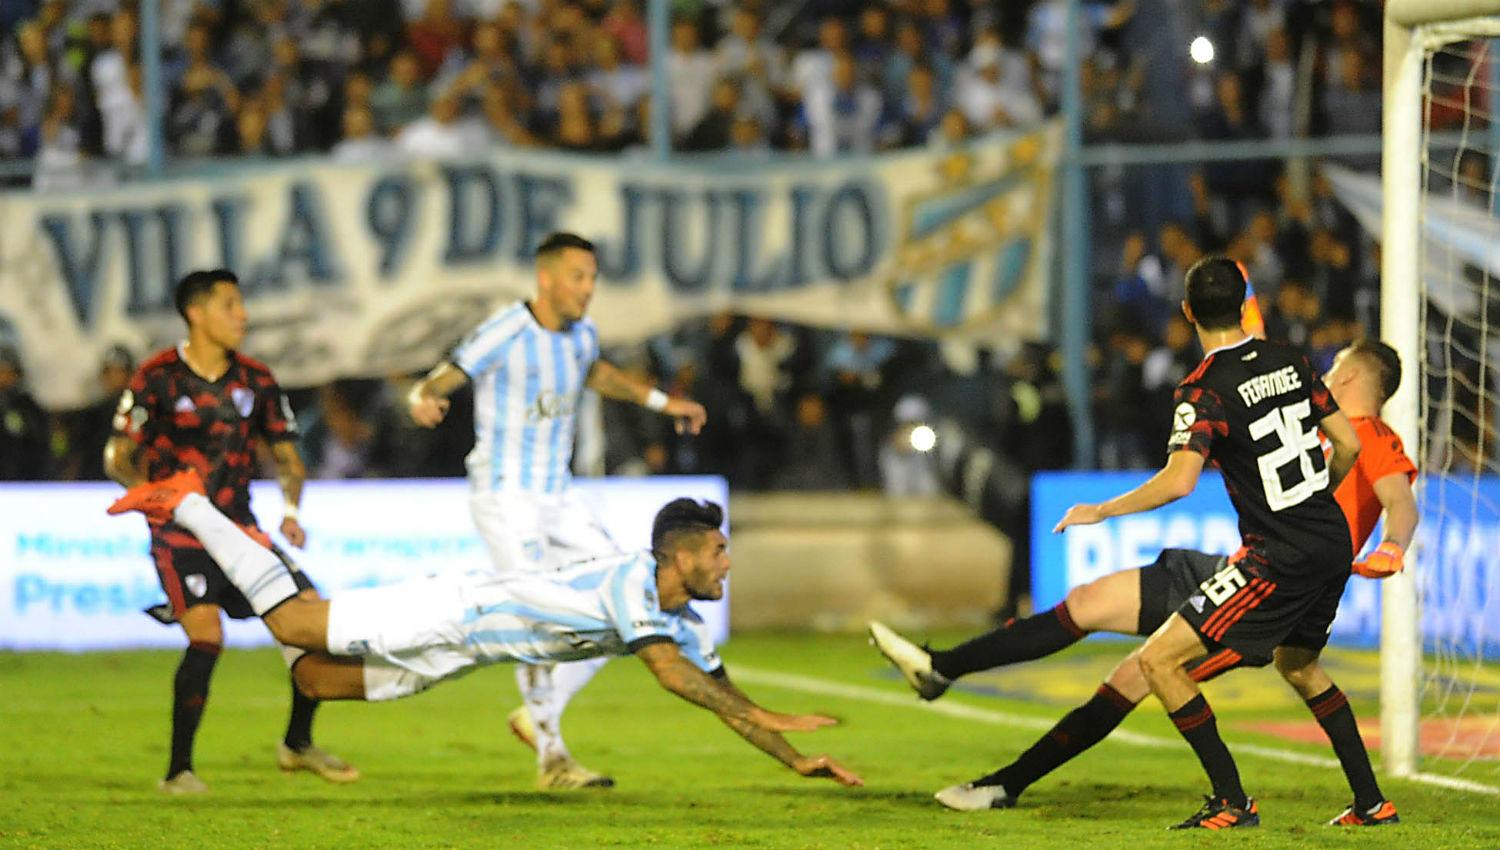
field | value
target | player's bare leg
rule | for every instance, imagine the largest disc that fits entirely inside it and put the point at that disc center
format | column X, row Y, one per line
column 1164, row 660
column 1300, row 667
column 330, row 677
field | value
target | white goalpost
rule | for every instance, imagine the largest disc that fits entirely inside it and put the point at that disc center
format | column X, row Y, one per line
column 1440, row 69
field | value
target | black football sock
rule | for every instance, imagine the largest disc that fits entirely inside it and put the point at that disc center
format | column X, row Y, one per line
column 1195, row 720
column 1084, row 727
column 299, row 725
column 1332, row 710
column 1021, row 640
column 189, row 694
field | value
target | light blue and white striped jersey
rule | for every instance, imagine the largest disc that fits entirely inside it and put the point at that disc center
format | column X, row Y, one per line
column 605, row 606
column 527, row 382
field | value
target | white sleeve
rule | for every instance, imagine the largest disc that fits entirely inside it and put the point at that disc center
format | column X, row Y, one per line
column 631, row 602
column 485, row 347
column 696, row 643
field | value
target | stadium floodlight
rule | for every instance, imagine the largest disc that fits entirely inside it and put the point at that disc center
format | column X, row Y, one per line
column 1202, row 50
column 1437, row 53
column 923, row 438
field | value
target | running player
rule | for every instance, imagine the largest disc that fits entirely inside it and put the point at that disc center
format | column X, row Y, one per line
column 529, row 363
column 1138, row 601
column 202, row 405
column 388, row 642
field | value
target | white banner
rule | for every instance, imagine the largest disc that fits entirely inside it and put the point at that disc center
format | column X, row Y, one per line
column 360, row 270
column 75, row 578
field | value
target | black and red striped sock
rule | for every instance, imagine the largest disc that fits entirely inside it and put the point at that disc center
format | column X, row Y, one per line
column 1332, row 710
column 1019, row 640
column 1084, row 727
column 1195, row 720
column 189, row 695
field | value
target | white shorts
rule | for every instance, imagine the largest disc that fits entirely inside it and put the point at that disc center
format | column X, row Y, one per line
column 538, row 531
column 410, row 633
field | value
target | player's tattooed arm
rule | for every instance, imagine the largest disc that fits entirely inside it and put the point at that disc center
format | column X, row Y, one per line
column 291, row 472
column 120, row 462
column 679, row 676
column 777, row 747
column 427, row 401
column 610, row 381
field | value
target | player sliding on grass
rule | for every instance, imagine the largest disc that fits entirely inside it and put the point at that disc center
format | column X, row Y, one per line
column 1138, row 601
column 388, row 642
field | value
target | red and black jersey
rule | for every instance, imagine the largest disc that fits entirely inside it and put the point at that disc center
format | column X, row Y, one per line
column 179, row 419
column 1253, row 409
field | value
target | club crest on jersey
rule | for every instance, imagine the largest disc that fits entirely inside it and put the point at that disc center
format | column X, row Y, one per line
column 184, row 405
column 963, row 250
column 244, row 400
column 197, row 585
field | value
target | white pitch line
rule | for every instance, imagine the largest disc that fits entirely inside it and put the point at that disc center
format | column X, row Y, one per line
column 862, row 693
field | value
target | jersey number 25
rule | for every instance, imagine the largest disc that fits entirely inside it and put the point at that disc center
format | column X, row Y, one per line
column 1293, row 445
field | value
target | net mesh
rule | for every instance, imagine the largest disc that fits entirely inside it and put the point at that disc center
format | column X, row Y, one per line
column 1459, row 486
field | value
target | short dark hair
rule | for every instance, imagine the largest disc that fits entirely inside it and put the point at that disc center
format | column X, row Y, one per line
column 196, row 285
column 681, row 517
column 1386, row 361
column 1215, row 292
column 556, row 243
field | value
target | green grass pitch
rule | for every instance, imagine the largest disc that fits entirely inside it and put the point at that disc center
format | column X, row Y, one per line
column 84, row 740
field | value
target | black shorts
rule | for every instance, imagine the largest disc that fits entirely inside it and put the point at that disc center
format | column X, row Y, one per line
column 1251, row 608
column 190, row 577
column 1168, row 583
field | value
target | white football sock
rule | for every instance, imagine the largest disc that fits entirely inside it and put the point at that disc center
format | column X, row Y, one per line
column 249, row 566
column 535, row 682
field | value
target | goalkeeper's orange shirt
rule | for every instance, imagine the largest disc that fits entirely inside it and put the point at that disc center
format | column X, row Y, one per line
column 1380, row 454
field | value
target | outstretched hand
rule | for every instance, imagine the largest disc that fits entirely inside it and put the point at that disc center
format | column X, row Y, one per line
column 427, row 411
column 826, row 768
column 1080, row 515
column 689, row 415
column 775, row 721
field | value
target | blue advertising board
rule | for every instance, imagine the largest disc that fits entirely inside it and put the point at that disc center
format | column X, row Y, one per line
column 73, row 578
column 1455, row 561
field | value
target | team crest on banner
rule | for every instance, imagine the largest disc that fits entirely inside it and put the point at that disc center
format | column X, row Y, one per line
column 966, row 248
column 244, row 400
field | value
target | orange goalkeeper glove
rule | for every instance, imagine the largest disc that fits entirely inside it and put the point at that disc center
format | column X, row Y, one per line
column 1384, row 562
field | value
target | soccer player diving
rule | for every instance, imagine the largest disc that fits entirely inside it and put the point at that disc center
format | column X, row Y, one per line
column 388, row 642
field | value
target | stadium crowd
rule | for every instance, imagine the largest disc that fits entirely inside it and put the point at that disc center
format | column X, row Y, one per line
column 791, row 407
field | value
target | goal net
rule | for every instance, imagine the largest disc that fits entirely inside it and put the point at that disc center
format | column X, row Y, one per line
column 1440, row 645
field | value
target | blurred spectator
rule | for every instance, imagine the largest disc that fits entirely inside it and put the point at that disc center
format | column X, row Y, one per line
column 360, row 142
column 625, row 25
column 712, row 131
column 812, row 458
column 767, row 358
column 842, row 116
column 437, row 136
column 856, row 383
column 433, row 35
column 87, row 430
column 24, row 433
column 401, row 99
column 919, row 111
column 904, row 470
column 692, row 74
column 990, row 98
